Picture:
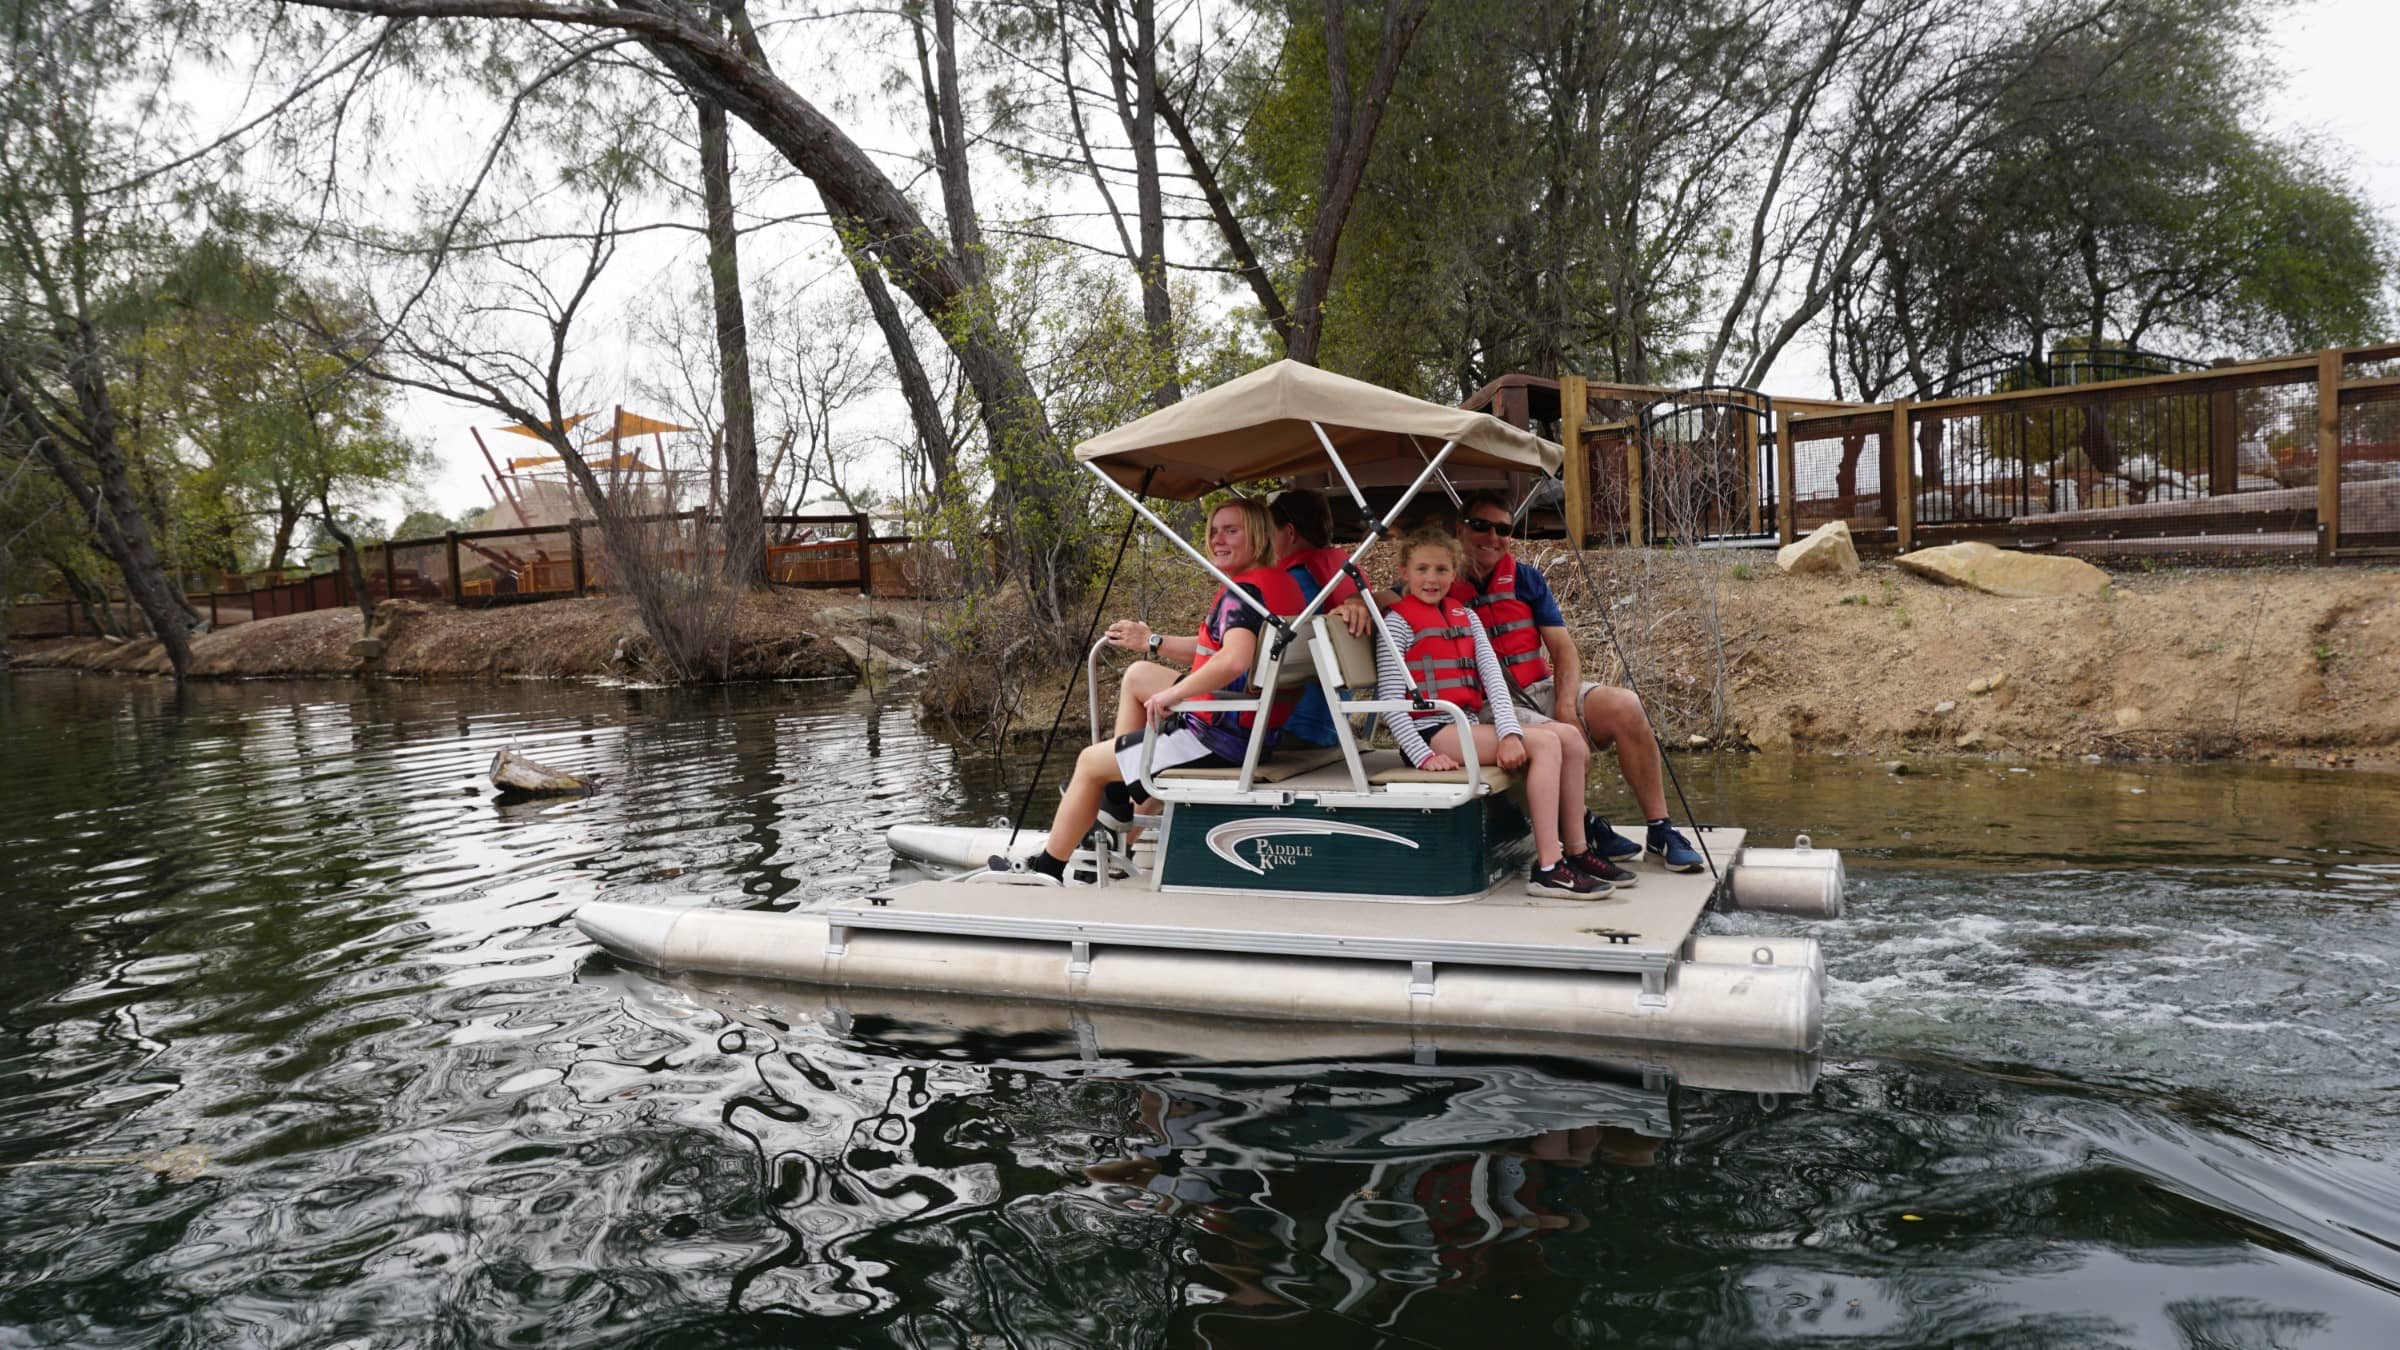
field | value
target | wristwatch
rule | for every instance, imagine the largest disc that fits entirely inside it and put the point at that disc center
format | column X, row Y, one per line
column 1155, row 639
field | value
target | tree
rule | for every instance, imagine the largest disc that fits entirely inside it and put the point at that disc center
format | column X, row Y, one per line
column 2119, row 196
column 69, row 247
column 243, row 405
column 940, row 276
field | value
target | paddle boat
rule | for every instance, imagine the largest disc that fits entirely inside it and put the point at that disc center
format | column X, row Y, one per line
column 1334, row 885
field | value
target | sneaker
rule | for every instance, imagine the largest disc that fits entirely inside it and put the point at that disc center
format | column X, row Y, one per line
column 1606, row 840
column 1565, row 883
column 1116, row 807
column 1674, row 851
column 1019, row 873
column 1591, row 864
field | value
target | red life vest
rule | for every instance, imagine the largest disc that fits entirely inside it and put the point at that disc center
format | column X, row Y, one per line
column 1442, row 659
column 1282, row 596
column 1325, row 567
column 1507, row 621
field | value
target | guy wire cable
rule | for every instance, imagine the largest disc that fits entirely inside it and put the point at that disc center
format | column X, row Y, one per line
column 1016, row 824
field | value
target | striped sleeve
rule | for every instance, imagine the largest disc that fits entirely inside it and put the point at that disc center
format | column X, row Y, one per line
column 1495, row 681
column 1391, row 683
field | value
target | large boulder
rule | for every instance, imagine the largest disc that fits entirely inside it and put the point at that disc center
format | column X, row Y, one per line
column 2000, row 572
column 1826, row 549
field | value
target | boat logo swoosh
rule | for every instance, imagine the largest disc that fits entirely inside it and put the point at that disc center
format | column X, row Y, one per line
column 1223, row 839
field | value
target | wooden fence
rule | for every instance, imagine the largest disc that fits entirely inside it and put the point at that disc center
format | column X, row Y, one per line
column 558, row 562
column 2297, row 455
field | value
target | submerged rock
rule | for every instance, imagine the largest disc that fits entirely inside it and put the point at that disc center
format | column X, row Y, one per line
column 512, row 772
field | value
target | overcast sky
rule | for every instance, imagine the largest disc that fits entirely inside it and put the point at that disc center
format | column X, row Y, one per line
column 2335, row 87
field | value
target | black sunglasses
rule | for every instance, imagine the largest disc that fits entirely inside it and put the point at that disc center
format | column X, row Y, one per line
column 1499, row 527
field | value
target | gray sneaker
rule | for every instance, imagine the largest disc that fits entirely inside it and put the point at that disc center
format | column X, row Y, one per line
column 1561, row 881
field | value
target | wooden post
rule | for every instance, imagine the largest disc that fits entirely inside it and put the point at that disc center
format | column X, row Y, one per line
column 2329, row 455
column 575, row 554
column 1901, row 491
column 866, row 554
column 1787, row 507
column 2224, row 440
column 1637, row 526
column 1576, row 500
column 457, row 595
column 391, row 578
column 212, row 609
column 1750, row 465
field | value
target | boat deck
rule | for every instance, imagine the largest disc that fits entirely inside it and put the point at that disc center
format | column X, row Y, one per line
column 1636, row 929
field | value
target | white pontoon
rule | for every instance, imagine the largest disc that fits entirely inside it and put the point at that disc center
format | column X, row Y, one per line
column 1335, row 884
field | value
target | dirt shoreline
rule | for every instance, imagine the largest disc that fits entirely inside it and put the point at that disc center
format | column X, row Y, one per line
column 777, row 634
column 2293, row 664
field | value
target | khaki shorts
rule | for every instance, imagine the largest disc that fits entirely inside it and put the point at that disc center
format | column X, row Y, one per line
column 1533, row 702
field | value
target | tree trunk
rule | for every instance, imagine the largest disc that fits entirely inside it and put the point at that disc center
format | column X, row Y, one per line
column 348, row 560
column 94, row 605
column 745, row 515
column 1220, row 208
column 287, row 518
column 112, row 510
column 1350, row 136
column 924, row 405
column 1140, row 62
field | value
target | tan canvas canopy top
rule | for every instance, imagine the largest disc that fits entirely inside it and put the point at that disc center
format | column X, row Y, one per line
column 1259, row 426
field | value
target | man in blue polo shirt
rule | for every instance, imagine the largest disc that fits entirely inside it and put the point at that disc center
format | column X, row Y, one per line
column 1545, row 671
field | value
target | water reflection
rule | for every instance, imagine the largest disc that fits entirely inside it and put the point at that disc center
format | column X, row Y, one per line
column 2109, row 1068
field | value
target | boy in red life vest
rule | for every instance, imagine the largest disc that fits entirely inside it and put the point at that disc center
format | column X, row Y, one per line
column 1220, row 656
column 1513, row 600
column 1449, row 658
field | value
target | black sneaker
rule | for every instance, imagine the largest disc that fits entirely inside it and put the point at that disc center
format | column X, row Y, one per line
column 1608, row 841
column 1591, row 864
column 1022, row 872
column 1561, row 881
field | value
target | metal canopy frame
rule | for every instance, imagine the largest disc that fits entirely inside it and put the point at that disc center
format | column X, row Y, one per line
column 1307, row 627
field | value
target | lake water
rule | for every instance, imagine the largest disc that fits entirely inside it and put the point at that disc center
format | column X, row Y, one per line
column 299, row 1047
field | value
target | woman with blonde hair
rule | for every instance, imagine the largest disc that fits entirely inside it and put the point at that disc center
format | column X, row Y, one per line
column 1217, row 659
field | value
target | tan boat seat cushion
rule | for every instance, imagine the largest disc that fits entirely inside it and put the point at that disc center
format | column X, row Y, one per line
column 1387, row 766
column 1286, row 763
column 1355, row 653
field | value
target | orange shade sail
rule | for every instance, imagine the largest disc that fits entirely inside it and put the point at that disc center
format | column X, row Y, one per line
column 630, row 423
column 542, row 432
column 622, row 463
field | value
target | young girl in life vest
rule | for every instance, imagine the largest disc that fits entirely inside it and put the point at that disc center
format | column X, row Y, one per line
column 1449, row 657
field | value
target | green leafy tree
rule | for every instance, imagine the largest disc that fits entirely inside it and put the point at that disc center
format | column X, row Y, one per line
column 75, row 241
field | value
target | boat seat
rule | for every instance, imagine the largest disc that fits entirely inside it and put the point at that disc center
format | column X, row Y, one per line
column 1355, row 653
column 1385, row 767
column 1288, row 763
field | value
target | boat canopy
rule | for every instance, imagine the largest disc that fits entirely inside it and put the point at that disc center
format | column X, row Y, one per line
column 1288, row 418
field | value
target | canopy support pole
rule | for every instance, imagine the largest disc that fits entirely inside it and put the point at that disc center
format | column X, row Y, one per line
column 1339, row 467
column 1449, row 489
column 1281, row 624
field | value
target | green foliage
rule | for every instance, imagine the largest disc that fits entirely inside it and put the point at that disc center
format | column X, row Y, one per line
column 2122, row 194
column 252, row 422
